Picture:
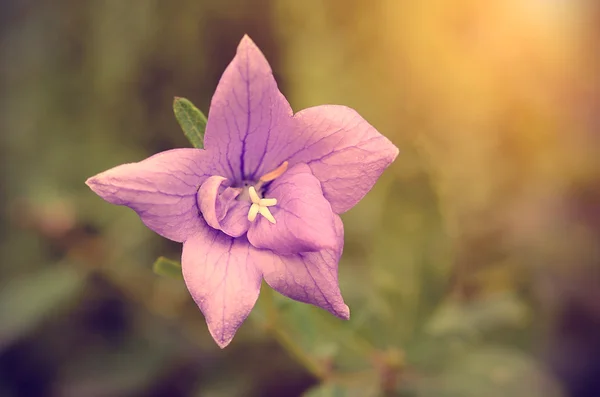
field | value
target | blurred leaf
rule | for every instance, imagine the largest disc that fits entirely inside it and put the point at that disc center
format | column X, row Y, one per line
column 359, row 385
column 325, row 390
column 167, row 268
column 224, row 387
column 124, row 371
column 28, row 300
column 490, row 372
column 476, row 317
column 191, row 120
column 409, row 262
column 318, row 338
column 324, row 336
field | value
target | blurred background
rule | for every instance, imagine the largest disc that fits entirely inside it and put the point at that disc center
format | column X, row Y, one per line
column 471, row 269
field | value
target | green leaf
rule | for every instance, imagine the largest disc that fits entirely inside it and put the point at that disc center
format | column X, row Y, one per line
column 191, row 120
column 167, row 268
column 123, row 371
column 474, row 318
column 325, row 390
column 28, row 300
column 356, row 385
column 488, row 371
column 315, row 338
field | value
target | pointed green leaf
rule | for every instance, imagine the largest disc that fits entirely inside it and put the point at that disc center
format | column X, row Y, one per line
column 191, row 120
column 167, row 268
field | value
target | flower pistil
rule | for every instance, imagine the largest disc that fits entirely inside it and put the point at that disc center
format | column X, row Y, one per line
column 261, row 205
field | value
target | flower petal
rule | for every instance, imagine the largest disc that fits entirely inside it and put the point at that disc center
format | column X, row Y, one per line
column 236, row 223
column 304, row 219
column 309, row 277
column 161, row 189
column 222, row 276
column 343, row 151
column 246, row 112
column 220, row 208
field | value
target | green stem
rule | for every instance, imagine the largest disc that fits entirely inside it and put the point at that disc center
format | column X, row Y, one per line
column 285, row 340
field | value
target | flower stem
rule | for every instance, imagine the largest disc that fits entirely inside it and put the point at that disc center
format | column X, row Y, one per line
column 285, row 339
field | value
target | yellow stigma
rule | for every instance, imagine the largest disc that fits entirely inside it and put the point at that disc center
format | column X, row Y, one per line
column 277, row 172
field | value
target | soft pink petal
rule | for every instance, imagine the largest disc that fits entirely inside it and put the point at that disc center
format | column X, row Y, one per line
column 222, row 276
column 308, row 277
column 247, row 112
column 252, row 130
column 161, row 189
column 220, row 208
column 343, row 151
column 304, row 219
column 236, row 223
column 212, row 206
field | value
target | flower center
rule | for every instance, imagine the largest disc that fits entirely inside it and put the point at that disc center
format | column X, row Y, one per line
column 261, row 205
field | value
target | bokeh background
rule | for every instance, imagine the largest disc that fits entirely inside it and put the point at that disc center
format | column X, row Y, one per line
column 471, row 269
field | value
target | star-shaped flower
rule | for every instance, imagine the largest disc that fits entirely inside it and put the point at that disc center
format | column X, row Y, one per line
column 261, row 200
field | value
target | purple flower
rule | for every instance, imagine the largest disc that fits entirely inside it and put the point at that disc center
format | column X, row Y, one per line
column 262, row 200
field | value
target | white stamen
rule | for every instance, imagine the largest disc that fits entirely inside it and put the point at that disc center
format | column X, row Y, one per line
column 267, row 202
column 254, row 208
column 253, row 195
column 260, row 206
column 264, row 211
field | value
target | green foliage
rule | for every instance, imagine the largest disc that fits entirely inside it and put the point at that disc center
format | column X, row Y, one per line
column 489, row 371
column 325, row 390
column 472, row 319
column 133, row 366
column 359, row 387
column 27, row 301
column 191, row 120
column 167, row 268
